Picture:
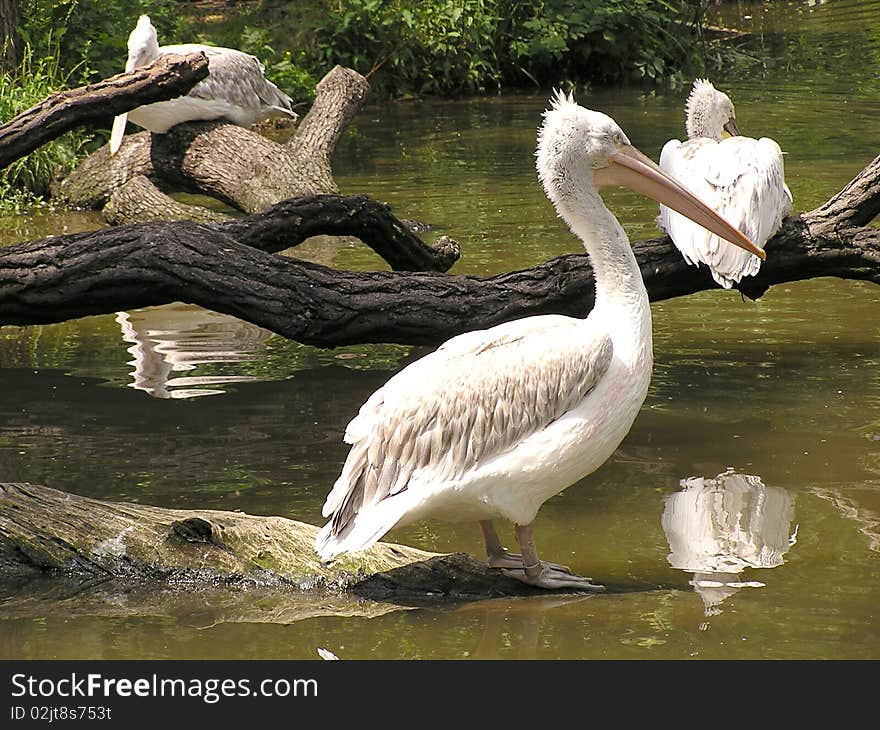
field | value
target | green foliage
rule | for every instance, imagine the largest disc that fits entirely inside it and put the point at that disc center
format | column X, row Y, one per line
column 23, row 183
column 455, row 46
column 288, row 75
column 604, row 41
column 94, row 33
column 437, row 46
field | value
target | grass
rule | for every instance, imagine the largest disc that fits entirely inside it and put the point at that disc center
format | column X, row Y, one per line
column 26, row 182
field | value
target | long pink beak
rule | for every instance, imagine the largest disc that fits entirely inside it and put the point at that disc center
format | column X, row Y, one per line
column 631, row 168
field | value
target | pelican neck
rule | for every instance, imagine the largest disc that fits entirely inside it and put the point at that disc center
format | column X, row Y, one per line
column 618, row 279
column 697, row 125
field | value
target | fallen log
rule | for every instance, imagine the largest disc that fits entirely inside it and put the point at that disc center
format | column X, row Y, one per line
column 219, row 267
column 171, row 76
column 43, row 530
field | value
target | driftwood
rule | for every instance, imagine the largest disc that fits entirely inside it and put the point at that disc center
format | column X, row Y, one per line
column 43, row 529
column 237, row 166
column 169, row 77
column 220, row 267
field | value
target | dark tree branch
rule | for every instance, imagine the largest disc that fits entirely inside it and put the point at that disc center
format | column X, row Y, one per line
column 169, row 77
column 857, row 204
column 217, row 266
column 291, row 222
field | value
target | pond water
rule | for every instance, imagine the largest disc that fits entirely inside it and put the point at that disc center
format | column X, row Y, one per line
column 740, row 518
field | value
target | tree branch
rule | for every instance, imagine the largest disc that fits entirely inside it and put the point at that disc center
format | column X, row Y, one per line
column 219, row 267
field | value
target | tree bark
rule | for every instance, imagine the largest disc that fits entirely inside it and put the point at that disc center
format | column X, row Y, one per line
column 237, row 166
column 228, row 267
column 10, row 38
column 131, row 542
column 169, row 77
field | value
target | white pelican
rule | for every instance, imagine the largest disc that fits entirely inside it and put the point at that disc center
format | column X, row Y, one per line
column 740, row 177
column 495, row 422
column 235, row 88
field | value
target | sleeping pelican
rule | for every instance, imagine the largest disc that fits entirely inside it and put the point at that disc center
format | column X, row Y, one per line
column 740, row 177
column 235, row 89
column 495, row 422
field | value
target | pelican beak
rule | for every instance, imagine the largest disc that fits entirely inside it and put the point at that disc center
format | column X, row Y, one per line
column 731, row 128
column 632, row 169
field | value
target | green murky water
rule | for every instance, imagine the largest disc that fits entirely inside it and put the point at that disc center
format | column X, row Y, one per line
column 184, row 408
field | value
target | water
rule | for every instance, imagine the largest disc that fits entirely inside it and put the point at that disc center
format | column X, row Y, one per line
column 740, row 518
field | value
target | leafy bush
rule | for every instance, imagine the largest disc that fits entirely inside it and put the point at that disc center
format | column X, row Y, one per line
column 455, row 46
column 605, row 41
column 292, row 78
column 93, row 34
column 26, row 180
column 436, row 46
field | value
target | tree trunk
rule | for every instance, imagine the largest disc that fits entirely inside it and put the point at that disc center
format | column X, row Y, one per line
column 169, row 77
column 10, row 38
column 237, row 166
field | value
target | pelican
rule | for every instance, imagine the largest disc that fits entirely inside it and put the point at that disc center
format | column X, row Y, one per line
column 740, row 177
column 235, row 89
column 495, row 422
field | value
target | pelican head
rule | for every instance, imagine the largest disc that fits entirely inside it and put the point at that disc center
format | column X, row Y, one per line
column 574, row 138
column 143, row 44
column 709, row 112
column 580, row 150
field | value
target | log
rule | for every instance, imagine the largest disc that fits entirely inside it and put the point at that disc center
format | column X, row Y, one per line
column 44, row 530
column 237, row 166
column 64, row 277
column 171, row 76
column 219, row 267
column 139, row 198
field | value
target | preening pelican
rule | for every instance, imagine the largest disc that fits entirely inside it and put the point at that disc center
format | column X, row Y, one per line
column 740, row 177
column 495, row 422
column 235, row 88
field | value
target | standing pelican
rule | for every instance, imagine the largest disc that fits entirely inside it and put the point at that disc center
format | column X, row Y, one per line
column 495, row 422
column 235, row 89
column 740, row 177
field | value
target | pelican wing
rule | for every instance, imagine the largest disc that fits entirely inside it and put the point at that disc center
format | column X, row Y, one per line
column 475, row 398
column 743, row 179
column 236, row 77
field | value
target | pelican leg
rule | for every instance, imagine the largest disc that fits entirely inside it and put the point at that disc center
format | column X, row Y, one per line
column 544, row 575
column 498, row 556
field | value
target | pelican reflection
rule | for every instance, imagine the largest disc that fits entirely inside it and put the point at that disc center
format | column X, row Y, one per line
column 716, row 528
column 179, row 337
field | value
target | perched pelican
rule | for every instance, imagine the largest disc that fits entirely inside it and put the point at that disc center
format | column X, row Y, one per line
column 235, row 89
column 740, row 177
column 495, row 422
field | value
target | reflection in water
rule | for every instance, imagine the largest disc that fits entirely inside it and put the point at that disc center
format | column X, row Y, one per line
column 515, row 624
column 177, row 338
column 718, row 527
column 868, row 521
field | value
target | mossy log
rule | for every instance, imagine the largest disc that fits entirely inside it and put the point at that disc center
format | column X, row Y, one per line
column 45, row 530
